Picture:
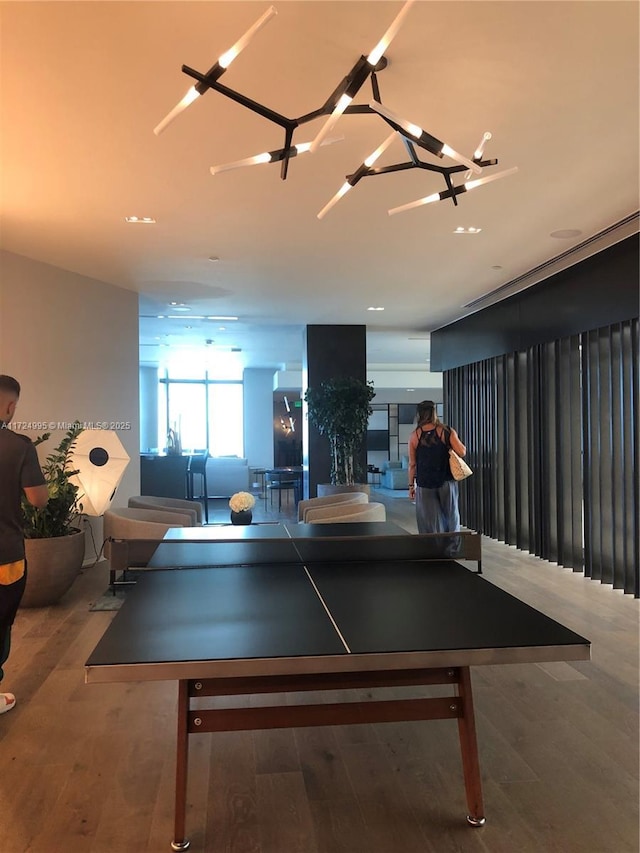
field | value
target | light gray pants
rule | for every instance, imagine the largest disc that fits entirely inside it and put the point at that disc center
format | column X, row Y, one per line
column 437, row 509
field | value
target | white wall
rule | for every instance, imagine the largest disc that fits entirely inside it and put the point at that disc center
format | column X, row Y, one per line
column 72, row 343
column 258, row 416
column 148, row 408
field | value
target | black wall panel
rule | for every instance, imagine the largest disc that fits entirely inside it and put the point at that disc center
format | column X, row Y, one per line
column 552, row 434
column 329, row 352
column 599, row 291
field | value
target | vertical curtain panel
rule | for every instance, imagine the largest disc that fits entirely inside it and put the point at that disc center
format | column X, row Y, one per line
column 553, row 437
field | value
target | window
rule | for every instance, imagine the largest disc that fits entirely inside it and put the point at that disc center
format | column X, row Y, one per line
column 226, row 431
column 187, row 413
column 205, row 413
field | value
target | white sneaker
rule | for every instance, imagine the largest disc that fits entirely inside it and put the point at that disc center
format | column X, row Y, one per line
column 7, row 702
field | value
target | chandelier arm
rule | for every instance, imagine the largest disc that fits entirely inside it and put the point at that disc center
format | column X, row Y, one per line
column 321, row 111
column 411, row 149
column 270, row 156
column 419, row 164
column 349, row 85
column 453, row 192
column 243, row 100
column 342, row 96
column 361, row 109
column 361, row 172
column 450, row 187
column 214, row 73
column 374, row 87
column 396, row 167
column 463, row 188
column 288, row 138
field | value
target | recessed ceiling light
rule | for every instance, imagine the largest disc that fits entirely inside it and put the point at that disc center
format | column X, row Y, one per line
column 180, row 306
column 496, row 267
column 566, row 233
column 140, row 220
column 470, row 230
column 375, row 308
column 214, row 259
column 193, row 316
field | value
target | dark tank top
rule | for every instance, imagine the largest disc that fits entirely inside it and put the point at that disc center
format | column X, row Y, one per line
column 432, row 459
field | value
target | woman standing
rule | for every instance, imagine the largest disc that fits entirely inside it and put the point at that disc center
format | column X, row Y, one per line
column 430, row 481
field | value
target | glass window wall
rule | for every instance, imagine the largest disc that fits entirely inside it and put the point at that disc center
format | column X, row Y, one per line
column 204, row 413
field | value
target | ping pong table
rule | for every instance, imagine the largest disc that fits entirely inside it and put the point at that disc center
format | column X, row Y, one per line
column 321, row 613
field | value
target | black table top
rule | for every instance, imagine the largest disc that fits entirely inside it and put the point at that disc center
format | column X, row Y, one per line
column 226, row 532
column 285, row 617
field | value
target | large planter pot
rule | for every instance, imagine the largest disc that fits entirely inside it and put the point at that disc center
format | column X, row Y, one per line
column 52, row 566
column 327, row 489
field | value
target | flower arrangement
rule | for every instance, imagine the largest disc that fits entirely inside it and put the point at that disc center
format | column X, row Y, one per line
column 242, row 501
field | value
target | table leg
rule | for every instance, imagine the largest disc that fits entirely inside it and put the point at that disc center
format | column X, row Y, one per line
column 469, row 751
column 182, row 764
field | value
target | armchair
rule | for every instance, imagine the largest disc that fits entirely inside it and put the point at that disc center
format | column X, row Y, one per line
column 346, row 513
column 131, row 523
column 328, row 500
column 395, row 474
column 177, row 505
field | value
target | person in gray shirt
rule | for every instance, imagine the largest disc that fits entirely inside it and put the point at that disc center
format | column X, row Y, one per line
column 20, row 473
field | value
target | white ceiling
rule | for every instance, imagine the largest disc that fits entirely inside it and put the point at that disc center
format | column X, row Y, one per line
column 85, row 83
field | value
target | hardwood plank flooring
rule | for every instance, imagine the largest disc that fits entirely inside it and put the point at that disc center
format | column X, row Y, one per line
column 89, row 768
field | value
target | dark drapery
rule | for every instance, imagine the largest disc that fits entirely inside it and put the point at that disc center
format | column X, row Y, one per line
column 553, row 437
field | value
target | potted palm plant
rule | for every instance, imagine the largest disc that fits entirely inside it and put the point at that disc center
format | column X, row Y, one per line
column 54, row 544
column 339, row 408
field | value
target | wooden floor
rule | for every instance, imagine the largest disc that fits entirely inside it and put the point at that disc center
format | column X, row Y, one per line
column 89, row 768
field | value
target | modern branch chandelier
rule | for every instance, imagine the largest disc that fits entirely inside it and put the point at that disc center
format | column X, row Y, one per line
column 338, row 103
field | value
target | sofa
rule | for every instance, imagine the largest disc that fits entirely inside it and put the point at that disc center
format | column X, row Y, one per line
column 395, row 474
column 227, row 475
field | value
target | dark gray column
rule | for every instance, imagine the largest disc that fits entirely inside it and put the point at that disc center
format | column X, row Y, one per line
column 329, row 352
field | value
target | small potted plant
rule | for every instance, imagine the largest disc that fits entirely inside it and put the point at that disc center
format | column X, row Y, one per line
column 54, row 544
column 241, row 505
column 340, row 408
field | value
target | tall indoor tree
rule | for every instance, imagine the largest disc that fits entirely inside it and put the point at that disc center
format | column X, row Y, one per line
column 339, row 408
